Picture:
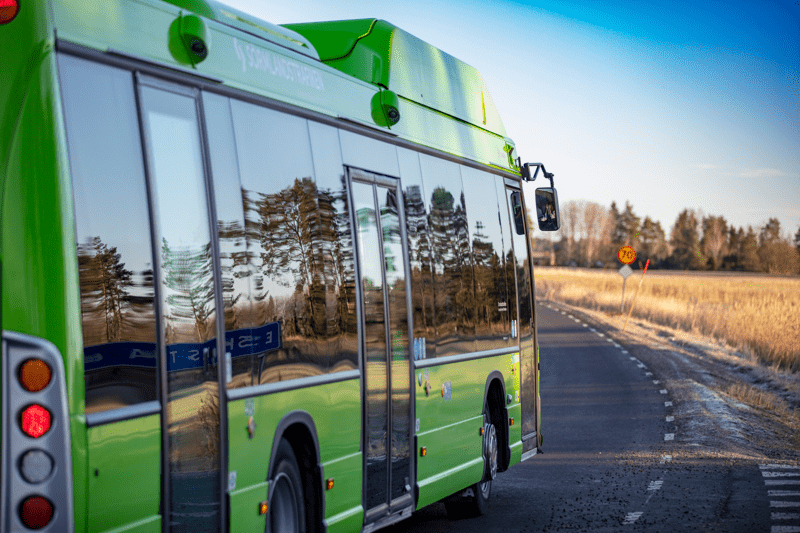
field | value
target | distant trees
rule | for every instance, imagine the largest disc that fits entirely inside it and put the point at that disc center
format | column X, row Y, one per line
column 591, row 235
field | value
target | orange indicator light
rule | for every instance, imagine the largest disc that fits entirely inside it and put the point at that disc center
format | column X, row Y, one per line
column 510, row 421
column 262, row 508
column 423, row 451
column 35, row 420
column 34, row 373
column 480, row 431
column 329, row 483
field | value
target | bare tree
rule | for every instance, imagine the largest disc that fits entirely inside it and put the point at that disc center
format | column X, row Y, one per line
column 713, row 243
column 595, row 221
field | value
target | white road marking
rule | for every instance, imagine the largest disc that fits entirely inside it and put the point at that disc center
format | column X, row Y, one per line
column 667, row 404
column 670, row 418
column 786, row 516
column 563, row 312
column 656, row 382
column 784, row 504
column 648, row 373
column 779, row 467
column 785, row 529
column 641, row 365
column 617, row 345
column 632, row 358
column 630, row 518
column 600, row 334
column 773, row 482
column 669, row 436
column 666, row 459
column 593, row 330
column 585, row 325
column 776, row 493
column 655, row 485
column 663, row 391
column 779, row 474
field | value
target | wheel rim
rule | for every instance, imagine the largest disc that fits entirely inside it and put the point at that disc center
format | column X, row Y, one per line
column 283, row 508
column 485, row 487
column 490, row 450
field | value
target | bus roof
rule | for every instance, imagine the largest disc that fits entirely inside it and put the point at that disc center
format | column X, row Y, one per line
column 380, row 53
column 334, row 68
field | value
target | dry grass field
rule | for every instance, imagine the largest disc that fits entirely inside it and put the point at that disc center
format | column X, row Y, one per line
column 756, row 314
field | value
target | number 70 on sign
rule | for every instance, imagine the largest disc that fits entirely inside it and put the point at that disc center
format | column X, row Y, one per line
column 626, row 255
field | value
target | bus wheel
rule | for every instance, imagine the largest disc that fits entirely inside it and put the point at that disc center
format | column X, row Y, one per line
column 286, row 506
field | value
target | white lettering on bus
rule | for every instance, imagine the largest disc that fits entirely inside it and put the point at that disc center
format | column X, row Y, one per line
column 265, row 61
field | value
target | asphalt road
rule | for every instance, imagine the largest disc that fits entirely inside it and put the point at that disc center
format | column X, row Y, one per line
column 607, row 464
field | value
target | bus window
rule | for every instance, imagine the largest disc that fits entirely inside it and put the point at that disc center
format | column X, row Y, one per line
column 336, row 243
column 452, row 262
column 114, row 253
column 280, row 206
column 491, row 298
column 236, row 270
column 419, row 250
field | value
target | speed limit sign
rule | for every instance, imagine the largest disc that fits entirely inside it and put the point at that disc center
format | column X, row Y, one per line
column 626, row 255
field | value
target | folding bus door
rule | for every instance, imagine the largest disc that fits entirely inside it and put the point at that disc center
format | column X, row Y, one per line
column 384, row 347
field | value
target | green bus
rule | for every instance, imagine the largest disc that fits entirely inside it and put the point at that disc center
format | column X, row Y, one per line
column 254, row 277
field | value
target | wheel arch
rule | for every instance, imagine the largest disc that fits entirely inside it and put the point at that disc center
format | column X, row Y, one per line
column 299, row 430
column 494, row 396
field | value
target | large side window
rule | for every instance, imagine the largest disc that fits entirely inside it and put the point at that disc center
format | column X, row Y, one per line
column 113, row 234
column 419, row 250
column 336, row 246
column 452, row 261
column 280, row 198
column 492, row 324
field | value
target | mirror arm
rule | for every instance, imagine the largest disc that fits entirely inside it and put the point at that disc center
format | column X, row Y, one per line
column 526, row 172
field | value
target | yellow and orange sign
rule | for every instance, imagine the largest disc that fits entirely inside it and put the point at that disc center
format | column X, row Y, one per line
column 626, row 255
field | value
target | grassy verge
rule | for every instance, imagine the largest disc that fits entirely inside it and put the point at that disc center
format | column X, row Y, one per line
column 754, row 314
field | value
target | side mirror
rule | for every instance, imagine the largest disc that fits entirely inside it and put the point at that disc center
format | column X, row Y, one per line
column 547, row 209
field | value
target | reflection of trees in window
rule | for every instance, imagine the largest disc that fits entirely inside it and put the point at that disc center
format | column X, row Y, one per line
column 233, row 258
column 187, row 273
column 489, row 282
column 451, row 255
column 419, row 248
column 104, row 285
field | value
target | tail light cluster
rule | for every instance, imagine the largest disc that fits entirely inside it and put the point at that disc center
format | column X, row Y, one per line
column 36, row 460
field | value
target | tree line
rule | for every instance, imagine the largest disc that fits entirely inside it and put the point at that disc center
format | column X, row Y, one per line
column 591, row 234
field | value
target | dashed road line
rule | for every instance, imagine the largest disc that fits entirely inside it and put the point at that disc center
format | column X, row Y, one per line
column 648, row 373
column 656, row 382
column 776, row 493
column 669, row 436
column 624, row 351
column 663, row 391
column 780, row 474
column 779, row 467
column 785, row 516
column 784, row 504
column 670, row 418
column 667, row 404
column 630, row 518
column 773, row 482
column 785, row 529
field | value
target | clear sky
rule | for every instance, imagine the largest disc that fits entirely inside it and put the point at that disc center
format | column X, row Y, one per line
column 666, row 104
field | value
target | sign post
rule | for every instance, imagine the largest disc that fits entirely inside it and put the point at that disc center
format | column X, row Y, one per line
column 626, row 256
column 625, row 271
column 635, row 295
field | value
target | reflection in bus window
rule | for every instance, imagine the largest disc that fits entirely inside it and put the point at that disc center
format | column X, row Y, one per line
column 419, row 251
column 114, row 254
column 188, row 309
column 492, row 324
column 336, row 245
column 452, row 262
column 282, row 227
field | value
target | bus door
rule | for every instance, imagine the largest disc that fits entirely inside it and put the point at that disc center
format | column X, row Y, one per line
column 528, row 364
column 384, row 352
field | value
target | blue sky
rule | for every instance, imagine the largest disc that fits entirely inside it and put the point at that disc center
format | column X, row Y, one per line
column 667, row 105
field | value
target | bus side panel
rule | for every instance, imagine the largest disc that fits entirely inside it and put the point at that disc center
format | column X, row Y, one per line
column 450, row 418
column 37, row 249
column 129, row 498
column 336, row 411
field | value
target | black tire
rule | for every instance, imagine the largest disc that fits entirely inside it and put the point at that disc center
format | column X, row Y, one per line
column 287, row 513
column 474, row 501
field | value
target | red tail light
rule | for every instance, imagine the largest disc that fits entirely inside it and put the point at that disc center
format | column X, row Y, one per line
column 8, row 10
column 35, row 420
column 36, row 512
